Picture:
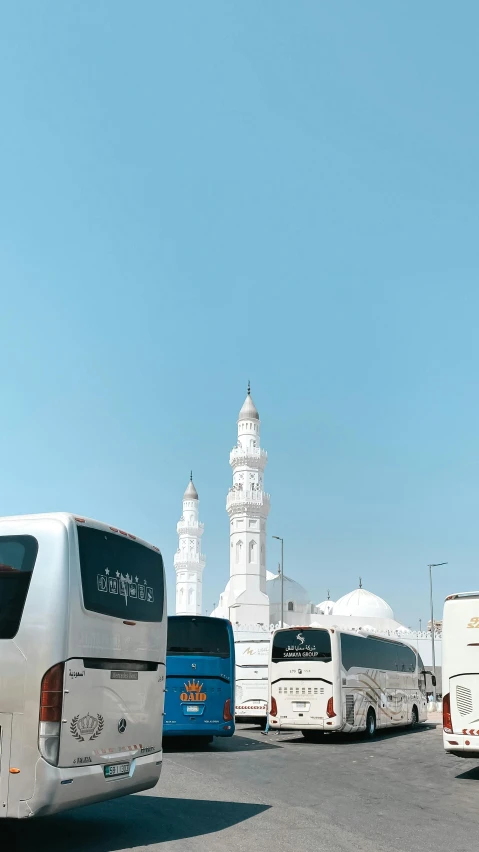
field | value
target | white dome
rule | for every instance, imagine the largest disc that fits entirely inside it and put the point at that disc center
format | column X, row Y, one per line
column 292, row 591
column 325, row 608
column 362, row 604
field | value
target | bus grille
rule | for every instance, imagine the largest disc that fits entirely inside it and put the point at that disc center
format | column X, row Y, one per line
column 350, row 709
column 464, row 700
column 304, row 690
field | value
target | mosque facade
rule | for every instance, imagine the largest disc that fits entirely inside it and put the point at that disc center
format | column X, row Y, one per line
column 251, row 599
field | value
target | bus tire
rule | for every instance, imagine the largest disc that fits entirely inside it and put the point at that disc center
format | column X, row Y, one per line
column 371, row 724
column 414, row 717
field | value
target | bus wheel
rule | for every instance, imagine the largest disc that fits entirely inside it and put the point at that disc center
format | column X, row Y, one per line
column 371, row 723
column 414, row 717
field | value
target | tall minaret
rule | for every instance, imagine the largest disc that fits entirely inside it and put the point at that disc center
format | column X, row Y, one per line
column 189, row 561
column 248, row 507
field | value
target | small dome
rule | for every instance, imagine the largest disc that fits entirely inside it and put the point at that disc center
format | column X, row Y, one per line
column 362, row 604
column 249, row 410
column 325, row 608
column 191, row 492
column 292, row 591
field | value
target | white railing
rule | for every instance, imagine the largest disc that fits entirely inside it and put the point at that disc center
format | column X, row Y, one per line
column 243, row 455
column 255, row 498
column 186, row 562
column 183, row 527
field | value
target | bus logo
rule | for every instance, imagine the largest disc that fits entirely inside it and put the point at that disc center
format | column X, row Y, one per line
column 193, row 692
column 300, row 638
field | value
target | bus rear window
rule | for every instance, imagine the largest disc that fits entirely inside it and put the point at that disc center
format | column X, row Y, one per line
column 17, row 558
column 302, row 645
column 120, row 577
column 198, row 635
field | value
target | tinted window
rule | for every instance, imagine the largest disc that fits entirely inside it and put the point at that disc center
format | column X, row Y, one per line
column 301, row 645
column 198, row 635
column 372, row 653
column 120, row 577
column 406, row 659
column 17, row 558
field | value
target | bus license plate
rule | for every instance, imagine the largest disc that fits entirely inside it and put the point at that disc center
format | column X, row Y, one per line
column 300, row 705
column 116, row 769
column 192, row 709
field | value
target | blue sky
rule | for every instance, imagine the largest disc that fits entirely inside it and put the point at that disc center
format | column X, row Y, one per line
column 194, row 194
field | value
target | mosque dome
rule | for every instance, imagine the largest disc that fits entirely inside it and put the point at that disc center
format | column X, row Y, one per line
column 362, row 604
column 249, row 410
column 292, row 591
column 191, row 492
column 326, row 607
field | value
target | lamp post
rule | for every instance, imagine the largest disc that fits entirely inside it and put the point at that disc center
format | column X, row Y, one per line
column 278, row 538
column 431, row 566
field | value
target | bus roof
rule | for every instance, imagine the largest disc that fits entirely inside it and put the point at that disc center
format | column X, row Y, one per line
column 460, row 595
column 68, row 518
column 361, row 632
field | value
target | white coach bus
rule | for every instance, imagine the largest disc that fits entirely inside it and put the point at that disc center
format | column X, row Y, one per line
column 460, row 674
column 323, row 680
column 82, row 663
column 251, row 689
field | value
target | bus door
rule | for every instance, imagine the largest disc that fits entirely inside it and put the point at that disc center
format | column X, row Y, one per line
column 5, row 735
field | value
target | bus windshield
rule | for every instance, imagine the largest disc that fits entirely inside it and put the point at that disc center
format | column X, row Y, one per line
column 198, row 635
column 306, row 644
column 17, row 558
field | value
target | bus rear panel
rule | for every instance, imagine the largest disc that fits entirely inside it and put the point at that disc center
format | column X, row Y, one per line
column 460, row 674
column 199, row 700
column 82, row 653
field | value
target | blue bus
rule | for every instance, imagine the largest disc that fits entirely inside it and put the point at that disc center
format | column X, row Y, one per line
column 200, row 678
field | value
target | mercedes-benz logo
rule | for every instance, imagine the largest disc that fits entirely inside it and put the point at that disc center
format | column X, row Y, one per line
column 122, row 726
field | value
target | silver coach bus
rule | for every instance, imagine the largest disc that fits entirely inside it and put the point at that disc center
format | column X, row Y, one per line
column 82, row 663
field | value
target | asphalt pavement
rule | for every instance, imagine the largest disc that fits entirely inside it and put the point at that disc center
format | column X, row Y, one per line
column 255, row 793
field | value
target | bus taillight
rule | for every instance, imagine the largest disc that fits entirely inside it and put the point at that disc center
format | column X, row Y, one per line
column 330, row 709
column 274, row 707
column 446, row 714
column 227, row 711
column 50, row 716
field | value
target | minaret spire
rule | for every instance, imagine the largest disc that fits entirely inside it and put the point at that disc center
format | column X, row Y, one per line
column 189, row 561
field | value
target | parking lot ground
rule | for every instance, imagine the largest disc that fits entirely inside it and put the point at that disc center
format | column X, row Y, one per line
column 398, row 792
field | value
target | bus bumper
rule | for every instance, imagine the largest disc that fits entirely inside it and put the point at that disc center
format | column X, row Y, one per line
column 253, row 710
column 224, row 730
column 304, row 725
column 58, row 788
column 463, row 744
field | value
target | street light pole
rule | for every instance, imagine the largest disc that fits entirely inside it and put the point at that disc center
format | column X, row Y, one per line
column 431, row 566
column 278, row 538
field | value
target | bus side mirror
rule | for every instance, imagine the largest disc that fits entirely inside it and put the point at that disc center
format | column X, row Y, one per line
column 433, row 676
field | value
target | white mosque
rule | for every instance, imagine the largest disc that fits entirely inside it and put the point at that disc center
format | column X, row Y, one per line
column 251, row 599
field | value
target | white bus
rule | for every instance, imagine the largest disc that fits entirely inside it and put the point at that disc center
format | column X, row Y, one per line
column 460, row 674
column 329, row 679
column 82, row 663
column 251, row 695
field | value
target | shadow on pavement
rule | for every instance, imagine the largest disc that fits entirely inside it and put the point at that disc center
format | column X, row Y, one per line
column 176, row 745
column 470, row 775
column 124, row 823
column 353, row 739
